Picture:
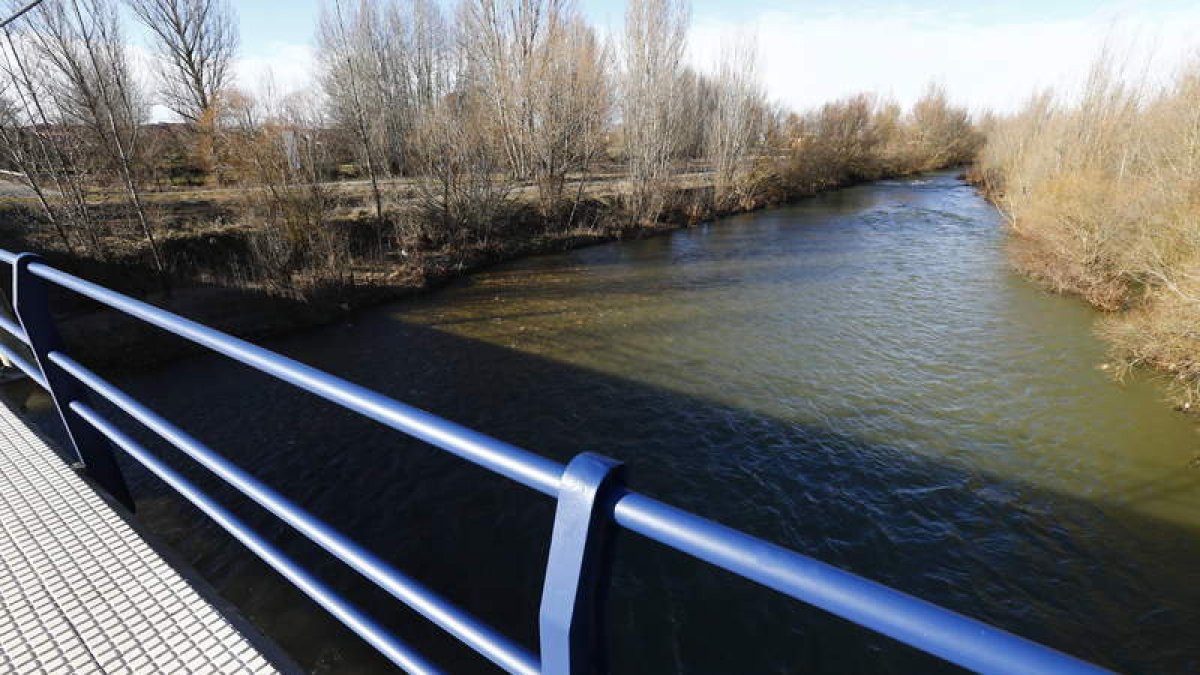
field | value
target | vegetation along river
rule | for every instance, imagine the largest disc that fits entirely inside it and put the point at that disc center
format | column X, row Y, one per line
column 859, row 377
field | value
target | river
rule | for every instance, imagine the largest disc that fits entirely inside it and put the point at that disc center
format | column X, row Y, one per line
column 860, row 377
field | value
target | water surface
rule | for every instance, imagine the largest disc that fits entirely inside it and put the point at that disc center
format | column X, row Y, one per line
column 859, row 377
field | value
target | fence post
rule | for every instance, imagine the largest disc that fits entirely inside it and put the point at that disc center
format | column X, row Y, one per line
column 31, row 305
column 571, row 620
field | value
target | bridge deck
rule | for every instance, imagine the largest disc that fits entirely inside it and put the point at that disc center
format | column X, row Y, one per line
column 82, row 592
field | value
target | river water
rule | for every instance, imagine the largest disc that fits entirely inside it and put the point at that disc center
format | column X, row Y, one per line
column 859, row 377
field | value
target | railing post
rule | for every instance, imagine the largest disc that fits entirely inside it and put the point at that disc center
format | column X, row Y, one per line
column 31, row 305
column 571, row 620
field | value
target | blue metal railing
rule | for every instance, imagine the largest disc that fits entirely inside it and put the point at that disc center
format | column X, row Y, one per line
column 590, row 494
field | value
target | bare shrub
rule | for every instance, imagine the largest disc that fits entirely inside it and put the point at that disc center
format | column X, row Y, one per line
column 865, row 137
column 1104, row 194
column 463, row 190
column 286, row 203
column 941, row 133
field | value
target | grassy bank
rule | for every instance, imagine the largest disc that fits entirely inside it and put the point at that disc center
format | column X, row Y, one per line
column 213, row 278
column 1103, row 196
column 216, row 274
column 211, row 284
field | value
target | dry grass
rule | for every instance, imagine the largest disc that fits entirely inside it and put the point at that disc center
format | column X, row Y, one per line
column 1104, row 194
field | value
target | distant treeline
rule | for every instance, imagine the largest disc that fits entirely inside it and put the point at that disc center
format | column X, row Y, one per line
column 498, row 121
column 1104, row 195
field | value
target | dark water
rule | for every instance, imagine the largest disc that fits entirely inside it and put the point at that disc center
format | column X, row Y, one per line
column 859, row 377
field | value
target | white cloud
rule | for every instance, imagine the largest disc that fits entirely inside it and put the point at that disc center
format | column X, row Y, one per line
column 808, row 61
column 285, row 66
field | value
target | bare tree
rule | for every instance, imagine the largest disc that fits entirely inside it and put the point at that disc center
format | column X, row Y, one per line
column 739, row 104
column 545, row 75
column 459, row 160
column 347, row 40
column 197, row 41
column 46, row 152
column 93, row 86
column 22, row 144
column 841, row 142
column 428, row 60
column 572, row 108
column 501, row 41
column 381, row 65
column 655, row 40
column 697, row 104
column 583, row 131
column 412, row 55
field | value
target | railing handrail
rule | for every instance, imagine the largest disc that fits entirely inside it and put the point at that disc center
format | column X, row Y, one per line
column 507, row 460
column 590, row 499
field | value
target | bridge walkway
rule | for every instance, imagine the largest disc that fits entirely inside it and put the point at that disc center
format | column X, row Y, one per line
column 82, row 592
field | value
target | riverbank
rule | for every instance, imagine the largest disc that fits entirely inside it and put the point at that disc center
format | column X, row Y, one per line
column 257, row 313
column 1143, row 330
column 1102, row 197
column 208, row 285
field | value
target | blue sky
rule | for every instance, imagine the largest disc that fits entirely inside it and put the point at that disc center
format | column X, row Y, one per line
column 988, row 54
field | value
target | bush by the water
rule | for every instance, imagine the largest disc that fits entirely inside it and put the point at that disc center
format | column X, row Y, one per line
column 1104, row 195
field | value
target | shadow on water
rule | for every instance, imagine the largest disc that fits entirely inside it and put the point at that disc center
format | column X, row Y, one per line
column 1093, row 578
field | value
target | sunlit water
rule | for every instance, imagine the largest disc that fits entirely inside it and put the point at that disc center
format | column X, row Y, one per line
column 859, row 377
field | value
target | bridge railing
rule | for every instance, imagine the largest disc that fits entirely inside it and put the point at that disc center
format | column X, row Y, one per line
column 591, row 501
